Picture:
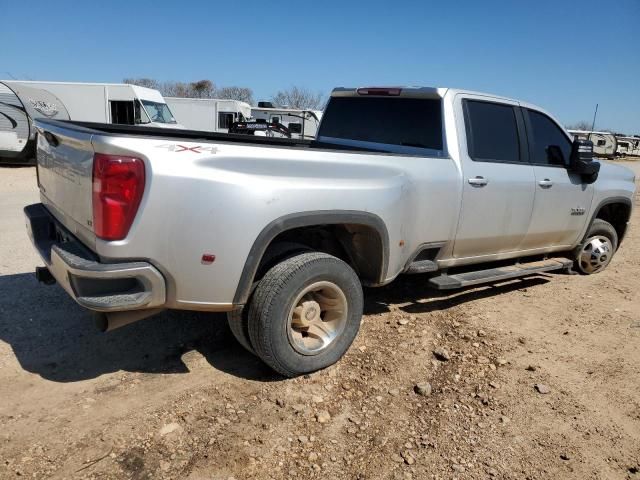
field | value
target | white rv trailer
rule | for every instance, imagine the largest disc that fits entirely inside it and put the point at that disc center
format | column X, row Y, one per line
column 19, row 106
column 208, row 114
column 605, row 144
column 301, row 123
column 628, row 146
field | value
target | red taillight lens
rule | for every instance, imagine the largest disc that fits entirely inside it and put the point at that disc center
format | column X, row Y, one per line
column 118, row 184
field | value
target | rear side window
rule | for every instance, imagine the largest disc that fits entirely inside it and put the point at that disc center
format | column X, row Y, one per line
column 411, row 122
column 545, row 132
column 492, row 132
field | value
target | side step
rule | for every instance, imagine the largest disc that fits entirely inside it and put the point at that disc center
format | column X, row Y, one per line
column 449, row 282
column 422, row 266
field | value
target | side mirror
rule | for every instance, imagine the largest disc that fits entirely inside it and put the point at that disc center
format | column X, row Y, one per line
column 581, row 161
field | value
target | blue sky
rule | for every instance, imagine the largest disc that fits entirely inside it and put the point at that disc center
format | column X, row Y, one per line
column 564, row 55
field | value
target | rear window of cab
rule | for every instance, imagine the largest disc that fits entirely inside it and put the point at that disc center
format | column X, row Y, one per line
column 409, row 122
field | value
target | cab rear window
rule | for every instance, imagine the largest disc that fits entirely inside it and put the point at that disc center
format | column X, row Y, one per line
column 410, row 122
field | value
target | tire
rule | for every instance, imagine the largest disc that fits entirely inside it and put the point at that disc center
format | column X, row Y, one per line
column 597, row 249
column 238, row 320
column 328, row 298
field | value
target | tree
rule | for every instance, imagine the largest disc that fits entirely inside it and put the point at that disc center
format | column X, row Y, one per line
column 582, row 125
column 299, row 97
column 203, row 89
column 143, row 82
column 241, row 94
column 175, row 89
column 199, row 89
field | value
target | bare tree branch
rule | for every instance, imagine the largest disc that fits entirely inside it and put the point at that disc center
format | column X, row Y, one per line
column 299, row 97
column 582, row 125
column 241, row 94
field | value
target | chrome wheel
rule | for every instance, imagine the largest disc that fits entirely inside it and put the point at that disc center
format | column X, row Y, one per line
column 318, row 316
column 595, row 255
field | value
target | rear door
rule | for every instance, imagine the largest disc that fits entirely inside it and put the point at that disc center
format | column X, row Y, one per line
column 561, row 199
column 498, row 181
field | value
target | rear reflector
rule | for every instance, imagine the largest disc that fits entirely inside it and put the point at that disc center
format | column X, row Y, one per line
column 118, row 184
column 384, row 92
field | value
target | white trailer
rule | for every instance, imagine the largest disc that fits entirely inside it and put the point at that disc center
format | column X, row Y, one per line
column 628, row 146
column 208, row 114
column 301, row 123
column 18, row 108
column 605, row 144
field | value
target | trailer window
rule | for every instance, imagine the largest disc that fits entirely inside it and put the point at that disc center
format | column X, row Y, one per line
column 411, row 122
column 295, row 127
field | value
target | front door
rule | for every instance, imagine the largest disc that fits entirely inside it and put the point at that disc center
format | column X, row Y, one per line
column 499, row 182
column 562, row 199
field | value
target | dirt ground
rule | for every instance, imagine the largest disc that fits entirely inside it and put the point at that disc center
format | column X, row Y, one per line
column 176, row 397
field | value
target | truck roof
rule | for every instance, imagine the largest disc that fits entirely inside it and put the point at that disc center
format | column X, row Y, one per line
column 428, row 92
column 414, row 92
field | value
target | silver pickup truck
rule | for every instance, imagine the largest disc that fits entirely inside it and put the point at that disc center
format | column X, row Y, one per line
column 462, row 187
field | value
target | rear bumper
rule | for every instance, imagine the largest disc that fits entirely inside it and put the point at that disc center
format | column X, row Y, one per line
column 103, row 287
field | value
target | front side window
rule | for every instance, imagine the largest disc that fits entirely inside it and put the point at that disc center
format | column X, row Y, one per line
column 158, row 112
column 544, row 134
column 410, row 122
column 492, row 132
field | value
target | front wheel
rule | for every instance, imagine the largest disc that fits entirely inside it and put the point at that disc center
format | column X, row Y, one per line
column 305, row 313
column 597, row 250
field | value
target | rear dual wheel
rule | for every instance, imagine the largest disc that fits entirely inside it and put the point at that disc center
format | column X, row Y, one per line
column 304, row 314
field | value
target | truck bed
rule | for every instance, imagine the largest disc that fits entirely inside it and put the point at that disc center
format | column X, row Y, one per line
column 179, row 134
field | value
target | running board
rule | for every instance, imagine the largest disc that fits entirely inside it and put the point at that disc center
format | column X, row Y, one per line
column 449, row 282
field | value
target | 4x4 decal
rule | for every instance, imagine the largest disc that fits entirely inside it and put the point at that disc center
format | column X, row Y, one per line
column 176, row 148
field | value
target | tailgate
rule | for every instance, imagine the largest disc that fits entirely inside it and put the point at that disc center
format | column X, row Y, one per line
column 65, row 170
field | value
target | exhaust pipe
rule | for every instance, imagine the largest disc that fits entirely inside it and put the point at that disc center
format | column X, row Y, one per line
column 106, row 322
column 43, row 275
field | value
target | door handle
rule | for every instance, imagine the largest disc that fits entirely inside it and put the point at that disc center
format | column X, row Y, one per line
column 546, row 183
column 478, row 181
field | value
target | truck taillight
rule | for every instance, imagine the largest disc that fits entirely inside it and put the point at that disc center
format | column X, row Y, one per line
column 118, row 184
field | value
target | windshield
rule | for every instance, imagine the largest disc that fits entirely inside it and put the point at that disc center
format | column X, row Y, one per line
column 158, row 112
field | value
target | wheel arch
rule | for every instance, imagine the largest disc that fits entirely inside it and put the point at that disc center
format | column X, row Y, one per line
column 616, row 211
column 368, row 222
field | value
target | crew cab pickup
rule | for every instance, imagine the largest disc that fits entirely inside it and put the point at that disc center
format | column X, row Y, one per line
column 461, row 187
